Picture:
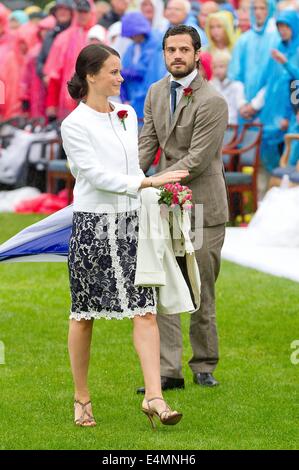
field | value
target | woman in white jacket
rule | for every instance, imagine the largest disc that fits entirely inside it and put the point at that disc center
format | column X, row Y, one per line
column 101, row 144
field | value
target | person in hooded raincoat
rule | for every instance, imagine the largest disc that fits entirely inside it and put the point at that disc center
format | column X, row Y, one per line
column 10, row 103
column 143, row 62
column 220, row 32
column 277, row 114
column 13, row 49
column 17, row 18
column 60, row 65
column 179, row 12
column 33, row 91
column 153, row 10
column 252, row 55
column 62, row 10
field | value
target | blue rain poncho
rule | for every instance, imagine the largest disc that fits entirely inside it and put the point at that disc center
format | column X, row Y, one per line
column 278, row 93
column 252, row 53
column 143, row 63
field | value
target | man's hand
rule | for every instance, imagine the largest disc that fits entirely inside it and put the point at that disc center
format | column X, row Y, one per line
column 247, row 111
column 284, row 124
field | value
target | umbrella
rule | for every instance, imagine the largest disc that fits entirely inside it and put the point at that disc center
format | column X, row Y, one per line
column 47, row 240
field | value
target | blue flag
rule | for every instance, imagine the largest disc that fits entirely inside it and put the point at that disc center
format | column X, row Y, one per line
column 47, row 240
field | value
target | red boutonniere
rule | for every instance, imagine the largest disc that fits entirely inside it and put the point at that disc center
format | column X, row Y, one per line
column 188, row 93
column 123, row 114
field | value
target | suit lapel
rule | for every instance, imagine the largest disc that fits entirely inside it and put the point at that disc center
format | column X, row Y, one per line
column 165, row 104
column 182, row 104
column 195, row 84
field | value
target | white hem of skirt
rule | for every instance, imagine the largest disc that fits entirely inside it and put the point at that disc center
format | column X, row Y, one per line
column 110, row 315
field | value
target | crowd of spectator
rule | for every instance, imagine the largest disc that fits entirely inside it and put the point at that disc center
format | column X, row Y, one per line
column 250, row 52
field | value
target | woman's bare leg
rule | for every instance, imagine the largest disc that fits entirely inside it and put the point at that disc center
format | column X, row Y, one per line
column 147, row 344
column 79, row 340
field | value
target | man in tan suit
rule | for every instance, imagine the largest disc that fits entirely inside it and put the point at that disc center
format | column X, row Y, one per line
column 190, row 134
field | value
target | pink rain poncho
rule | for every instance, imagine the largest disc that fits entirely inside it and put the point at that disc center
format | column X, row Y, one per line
column 60, row 65
column 33, row 90
column 10, row 104
column 29, row 33
column 14, row 48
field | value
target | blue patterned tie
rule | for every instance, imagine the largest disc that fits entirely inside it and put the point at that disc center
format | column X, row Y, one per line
column 173, row 87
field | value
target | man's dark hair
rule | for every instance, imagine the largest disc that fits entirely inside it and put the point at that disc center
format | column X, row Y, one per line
column 183, row 29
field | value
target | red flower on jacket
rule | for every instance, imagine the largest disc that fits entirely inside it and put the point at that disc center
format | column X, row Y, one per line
column 188, row 93
column 123, row 114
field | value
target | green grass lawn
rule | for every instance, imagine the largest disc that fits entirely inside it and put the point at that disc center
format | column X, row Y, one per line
column 255, row 407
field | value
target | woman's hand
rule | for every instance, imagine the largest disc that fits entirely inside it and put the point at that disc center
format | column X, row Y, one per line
column 279, row 56
column 169, row 177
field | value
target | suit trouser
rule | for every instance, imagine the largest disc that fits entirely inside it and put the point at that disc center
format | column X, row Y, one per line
column 203, row 331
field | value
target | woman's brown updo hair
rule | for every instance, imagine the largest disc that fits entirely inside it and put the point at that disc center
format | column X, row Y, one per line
column 89, row 61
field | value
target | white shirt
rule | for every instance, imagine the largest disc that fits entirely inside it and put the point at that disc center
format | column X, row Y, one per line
column 103, row 157
column 233, row 92
column 258, row 102
column 185, row 83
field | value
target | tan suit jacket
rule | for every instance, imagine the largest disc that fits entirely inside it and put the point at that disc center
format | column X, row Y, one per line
column 191, row 140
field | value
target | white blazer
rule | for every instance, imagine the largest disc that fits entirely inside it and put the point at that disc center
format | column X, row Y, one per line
column 103, row 157
column 156, row 258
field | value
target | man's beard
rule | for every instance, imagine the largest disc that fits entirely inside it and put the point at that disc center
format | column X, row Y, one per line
column 181, row 73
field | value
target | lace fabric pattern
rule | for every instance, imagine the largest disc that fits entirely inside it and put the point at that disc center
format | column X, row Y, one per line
column 102, row 265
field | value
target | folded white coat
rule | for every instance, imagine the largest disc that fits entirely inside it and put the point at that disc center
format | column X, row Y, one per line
column 156, row 257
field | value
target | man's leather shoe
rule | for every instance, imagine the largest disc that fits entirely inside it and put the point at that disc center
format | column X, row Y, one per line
column 167, row 383
column 205, row 378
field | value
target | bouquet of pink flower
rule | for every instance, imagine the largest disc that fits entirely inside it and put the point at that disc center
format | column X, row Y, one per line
column 174, row 195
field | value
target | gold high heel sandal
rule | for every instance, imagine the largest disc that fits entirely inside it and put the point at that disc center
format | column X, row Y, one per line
column 82, row 421
column 166, row 416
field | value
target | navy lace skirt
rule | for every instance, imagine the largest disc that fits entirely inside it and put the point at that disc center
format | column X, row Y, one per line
column 102, row 265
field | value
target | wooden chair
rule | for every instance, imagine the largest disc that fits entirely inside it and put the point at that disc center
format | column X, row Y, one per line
column 230, row 135
column 245, row 138
column 58, row 169
column 246, row 154
column 294, row 177
column 284, row 167
column 229, row 141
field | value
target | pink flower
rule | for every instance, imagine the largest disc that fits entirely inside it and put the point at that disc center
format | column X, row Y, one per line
column 175, row 199
column 176, row 195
